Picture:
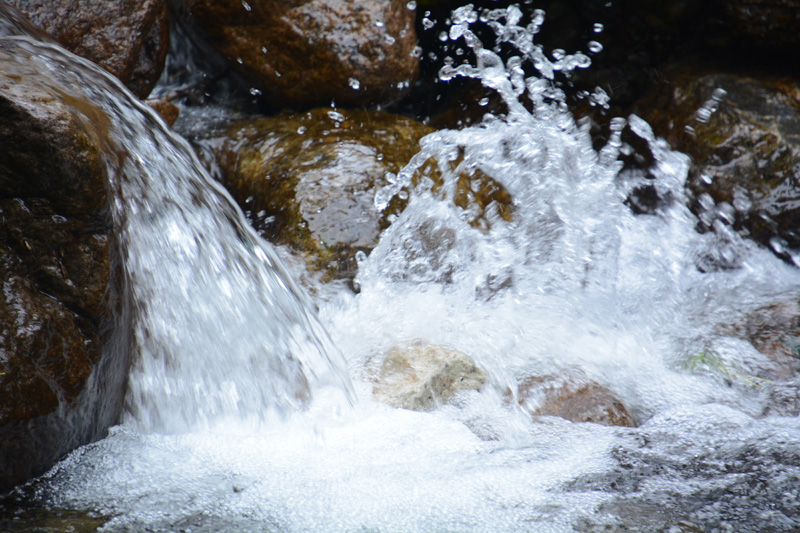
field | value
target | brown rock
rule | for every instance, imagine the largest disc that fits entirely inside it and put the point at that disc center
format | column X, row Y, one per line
column 420, row 376
column 308, row 52
column 744, row 139
column 128, row 38
column 309, row 179
column 166, row 110
column 574, row 398
column 60, row 384
column 773, row 330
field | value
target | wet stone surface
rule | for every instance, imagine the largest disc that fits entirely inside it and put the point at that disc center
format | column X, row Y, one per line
column 309, row 180
column 307, row 53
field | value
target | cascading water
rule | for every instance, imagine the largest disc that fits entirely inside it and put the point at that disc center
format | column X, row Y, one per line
column 573, row 281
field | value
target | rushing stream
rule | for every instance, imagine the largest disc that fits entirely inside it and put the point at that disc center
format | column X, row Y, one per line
column 249, row 411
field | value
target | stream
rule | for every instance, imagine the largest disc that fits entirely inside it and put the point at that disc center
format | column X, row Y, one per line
column 250, row 403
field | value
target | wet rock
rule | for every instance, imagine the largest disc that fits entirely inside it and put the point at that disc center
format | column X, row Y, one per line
column 59, row 388
column 309, row 52
column 574, row 398
column 128, row 38
column 421, row 376
column 309, row 180
column 166, row 110
column 773, row 330
column 743, row 135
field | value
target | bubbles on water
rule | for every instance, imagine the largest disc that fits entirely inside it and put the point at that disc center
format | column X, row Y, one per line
column 412, row 5
column 354, row 84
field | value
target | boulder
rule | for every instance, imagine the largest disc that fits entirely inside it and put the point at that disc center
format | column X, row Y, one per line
column 421, row 376
column 128, row 38
column 60, row 383
column 309, row 180
column 743, row 135
column 306, row 53
column 574, row 398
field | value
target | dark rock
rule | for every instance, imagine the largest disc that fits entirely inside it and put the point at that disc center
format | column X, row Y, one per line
column 743, row 136
column 309, row 180
column 769, row 24
column 309, row 52
column 128, row 38
column 61, row 384
column 421, row 376
column 574, row 398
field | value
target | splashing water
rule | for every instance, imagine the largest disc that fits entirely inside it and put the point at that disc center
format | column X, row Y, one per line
column 573, row 280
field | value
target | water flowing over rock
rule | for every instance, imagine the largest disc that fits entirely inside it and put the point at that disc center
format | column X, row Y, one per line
column 61, row 373
column 101, row 204
column 128, row 38
column 421, row 376
column 309, row 179
column 574, row 398
column 309, row 52
column 744, row 137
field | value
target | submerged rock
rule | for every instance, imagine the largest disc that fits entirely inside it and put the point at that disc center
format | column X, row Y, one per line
column 309, row 52
column 420, row 376
column 744, row 138
column 573, row 398
column 128, row 38
column 59, row 386
column 309, row 180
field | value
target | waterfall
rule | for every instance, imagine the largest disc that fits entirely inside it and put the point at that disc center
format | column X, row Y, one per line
column 222, row 331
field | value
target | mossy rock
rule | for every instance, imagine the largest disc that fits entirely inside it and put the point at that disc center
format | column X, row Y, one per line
column 309, row 180
column 743, row 136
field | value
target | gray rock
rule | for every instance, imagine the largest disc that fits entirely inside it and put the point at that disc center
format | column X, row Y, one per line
column 420, row 376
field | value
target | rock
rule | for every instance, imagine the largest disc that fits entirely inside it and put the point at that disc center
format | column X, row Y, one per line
column 573, row 398
column 306, row 53
column 309, row 180
column 769, row 24
column 128, row 38
column 60, row 384
column 773, row 330
column 166, row 110
column 420, row 376
column 743, row 135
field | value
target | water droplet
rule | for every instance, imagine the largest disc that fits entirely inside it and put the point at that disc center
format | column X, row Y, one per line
column 595, row 47
column 263, row 49
column 336, row 116
column 354, row 84
column 483, row 102
column 597, row 28
column 412, row 5
column 389, row 39
column 417, row 51
column 379, row 24
column 240, row 60
column 379, row 157
column 427, row 23
column 443, row 36
column 255, row 92
column 246, row 6
column 301, row 130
